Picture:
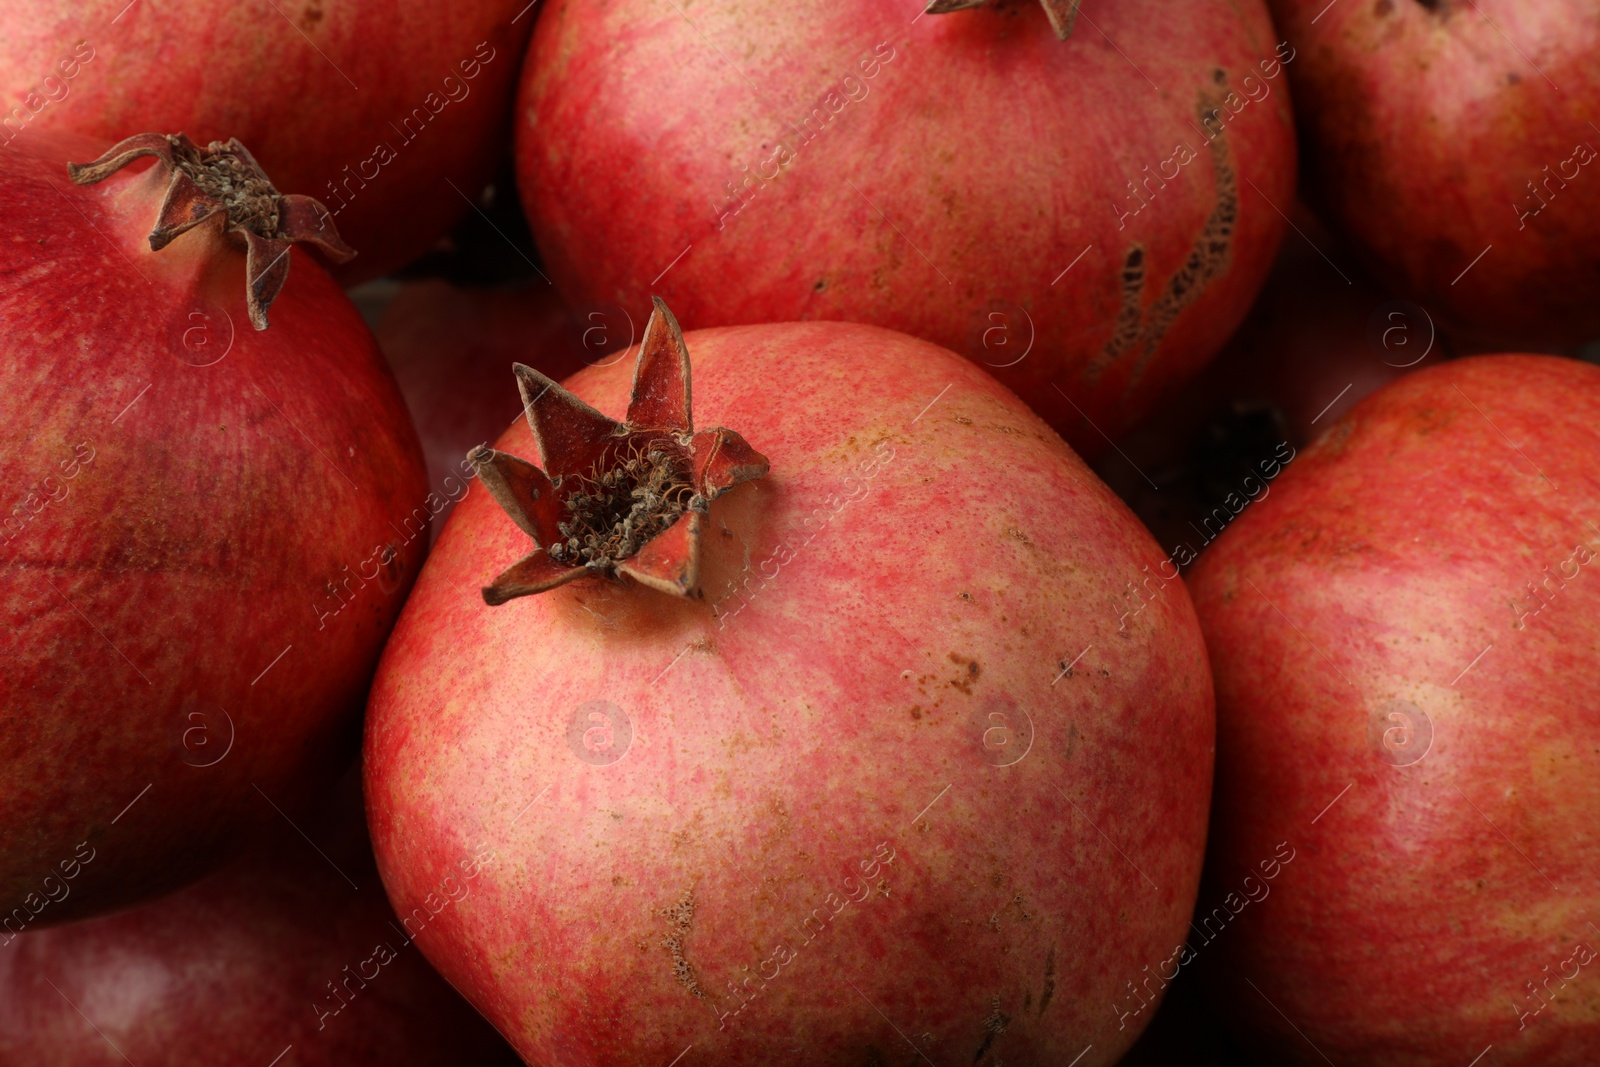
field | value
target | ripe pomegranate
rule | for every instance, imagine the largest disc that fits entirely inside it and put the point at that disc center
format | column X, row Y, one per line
column 1088, row 219
column 1401, row 101
column 1398, row 636
column 376, row 108
column 276, row 956
column 910, row 770
column 205, row 537
column 451, row 346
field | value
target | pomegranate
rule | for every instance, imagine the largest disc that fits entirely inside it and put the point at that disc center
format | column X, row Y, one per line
column 450, row 347
column 1089, row 219
column 377, row 108
column 276, row 956
column 1401, row 101
column 1398, row 636
column 205, row 537
column 909, row 770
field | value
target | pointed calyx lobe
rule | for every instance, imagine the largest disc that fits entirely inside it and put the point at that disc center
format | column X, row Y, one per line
column 224, row 179
column 1063, row 13
column 614, row 497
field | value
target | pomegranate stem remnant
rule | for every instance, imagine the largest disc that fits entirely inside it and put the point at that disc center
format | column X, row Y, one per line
column 225, row 179
column 615, row 498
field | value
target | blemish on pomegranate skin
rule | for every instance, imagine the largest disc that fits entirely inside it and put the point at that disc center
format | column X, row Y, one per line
column 679, row 918
column 1126, row 331
column 1383, row 7
column 1209, row 256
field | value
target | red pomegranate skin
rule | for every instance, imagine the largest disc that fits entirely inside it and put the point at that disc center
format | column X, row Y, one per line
column 176, row 656
column 374, row 107
column 1443, row 875
column 815, row 782
column 1438, row 132
column 236, row 969
column 947, row 190
column 451, row 349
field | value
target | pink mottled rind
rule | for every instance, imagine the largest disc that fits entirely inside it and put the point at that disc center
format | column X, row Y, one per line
column 321, row 91
column 178, row 582
column 826, row 739
column 1423, row 126
column 1392, row 562
column 963, row 159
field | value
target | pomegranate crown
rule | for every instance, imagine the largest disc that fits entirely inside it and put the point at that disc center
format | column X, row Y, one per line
column 223, row 178
column 615, row 498
column 1062, row 13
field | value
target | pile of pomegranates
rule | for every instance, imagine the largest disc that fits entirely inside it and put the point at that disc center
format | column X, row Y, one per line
column 954, row 532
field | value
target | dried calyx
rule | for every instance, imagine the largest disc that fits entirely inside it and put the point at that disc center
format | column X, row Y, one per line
column 224, row 179
column 1063, row 13
column 615, row 498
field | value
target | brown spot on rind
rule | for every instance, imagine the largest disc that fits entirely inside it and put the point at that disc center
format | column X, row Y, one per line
column 679, row 918
column 1049, row 980
column 1208, row 257
column 1126, row 333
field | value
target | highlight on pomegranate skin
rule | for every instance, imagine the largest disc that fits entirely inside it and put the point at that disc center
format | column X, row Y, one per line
column 954, row 532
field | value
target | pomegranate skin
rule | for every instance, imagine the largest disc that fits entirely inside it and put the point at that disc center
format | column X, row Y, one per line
column 176, row 660
column 814, row 782
column 235, row 970
column 950, row 195
column 1400, row 103
column 1392, row 703
column 315, row 93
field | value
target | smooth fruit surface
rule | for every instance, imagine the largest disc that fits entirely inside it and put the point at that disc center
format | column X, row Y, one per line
column 1436, row 133
column 204, row 541
column 915, row 770
column 375, row 108
column 1087, row 219
column 1404, row 638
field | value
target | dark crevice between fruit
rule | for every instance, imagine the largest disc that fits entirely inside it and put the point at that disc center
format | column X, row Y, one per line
column 223, row 178
column 1062, row 13
column 615, row 498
